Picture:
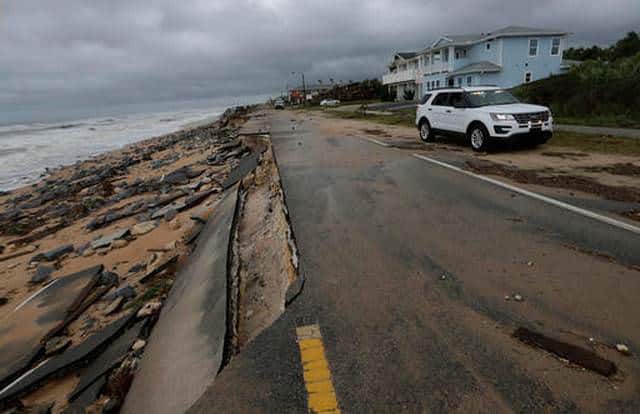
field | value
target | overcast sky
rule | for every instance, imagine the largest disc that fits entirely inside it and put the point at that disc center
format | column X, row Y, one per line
column 96, row 53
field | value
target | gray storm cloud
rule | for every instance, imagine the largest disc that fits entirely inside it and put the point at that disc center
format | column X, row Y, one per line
column 77, row 53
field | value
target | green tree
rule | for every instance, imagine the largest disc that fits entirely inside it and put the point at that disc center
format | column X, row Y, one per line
column 625, row 47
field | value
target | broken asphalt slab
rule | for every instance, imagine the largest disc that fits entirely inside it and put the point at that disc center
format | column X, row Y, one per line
column 86, row 398
column 72, row 356
column 106, row 241
column 572, row 353
column 112, row 356
column 246, row 165
column 54, row 254
column 22, row 331
column 185, row 349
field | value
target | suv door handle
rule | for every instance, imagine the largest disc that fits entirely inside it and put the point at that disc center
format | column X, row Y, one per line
column 428, row 109
column 448, row 111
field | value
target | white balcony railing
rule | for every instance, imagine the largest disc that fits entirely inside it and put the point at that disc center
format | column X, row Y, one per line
column 401, row 76
column 436, row 67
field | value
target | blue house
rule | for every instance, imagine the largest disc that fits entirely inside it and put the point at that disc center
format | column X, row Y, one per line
column 506, row 57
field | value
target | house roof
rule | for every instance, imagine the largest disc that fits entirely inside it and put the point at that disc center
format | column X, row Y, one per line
column 521, row 30
column 407, row 55
column 482, row 66
column 509, row 31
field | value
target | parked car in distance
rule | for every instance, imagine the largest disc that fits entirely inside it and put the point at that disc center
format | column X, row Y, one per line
column 278, row 104
column 329, row 102
column 483, row 115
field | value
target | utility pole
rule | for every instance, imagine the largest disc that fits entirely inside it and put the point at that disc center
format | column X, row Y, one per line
column 304, row 91
column 304, row 88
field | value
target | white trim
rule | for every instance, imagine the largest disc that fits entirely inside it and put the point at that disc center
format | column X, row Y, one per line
column 559, row 46
column 500, row 45
column 599, row 217
column 529, row 46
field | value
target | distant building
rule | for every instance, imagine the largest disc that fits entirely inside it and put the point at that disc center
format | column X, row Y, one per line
column 312, row 91
column 506, row 57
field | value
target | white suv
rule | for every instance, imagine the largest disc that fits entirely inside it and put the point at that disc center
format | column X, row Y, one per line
column 482, row 114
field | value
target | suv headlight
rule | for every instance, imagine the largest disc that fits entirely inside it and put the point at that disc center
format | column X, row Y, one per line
column 501, row 117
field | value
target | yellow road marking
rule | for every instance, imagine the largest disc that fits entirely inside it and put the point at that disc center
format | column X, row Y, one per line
column 317, row 375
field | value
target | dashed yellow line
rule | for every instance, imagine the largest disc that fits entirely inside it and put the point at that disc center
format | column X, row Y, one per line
column 317, row 375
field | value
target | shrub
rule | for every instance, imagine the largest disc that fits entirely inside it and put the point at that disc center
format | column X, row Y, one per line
column 594, row 88
column 408, row 94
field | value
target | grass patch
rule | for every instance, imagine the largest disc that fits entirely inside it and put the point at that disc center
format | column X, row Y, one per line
column 583, row 142
column 613, row 121
column 596, row 143
column 403, row 117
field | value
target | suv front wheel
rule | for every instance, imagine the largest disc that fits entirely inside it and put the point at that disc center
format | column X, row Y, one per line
column 478, row 137
column 426, row 134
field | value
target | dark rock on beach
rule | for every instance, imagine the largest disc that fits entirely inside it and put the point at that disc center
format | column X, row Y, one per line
column 54, row 254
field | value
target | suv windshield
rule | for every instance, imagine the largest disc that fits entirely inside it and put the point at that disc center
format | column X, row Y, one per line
column 491, row 97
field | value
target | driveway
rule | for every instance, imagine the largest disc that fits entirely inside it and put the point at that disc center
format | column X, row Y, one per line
column 411, row 274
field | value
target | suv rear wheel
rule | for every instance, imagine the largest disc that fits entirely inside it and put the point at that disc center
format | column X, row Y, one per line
column 426, row 135
column 478, row 137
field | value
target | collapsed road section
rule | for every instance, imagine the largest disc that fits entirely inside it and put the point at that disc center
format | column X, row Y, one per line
column 233, row 287
column 141, row 258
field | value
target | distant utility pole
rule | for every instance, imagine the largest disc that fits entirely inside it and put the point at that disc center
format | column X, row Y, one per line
column 304, row 91
column 304, row 88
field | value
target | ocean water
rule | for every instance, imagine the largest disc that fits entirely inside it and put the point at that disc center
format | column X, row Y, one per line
column 27, row 149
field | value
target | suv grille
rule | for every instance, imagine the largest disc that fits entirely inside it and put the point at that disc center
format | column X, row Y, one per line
column 535, row 116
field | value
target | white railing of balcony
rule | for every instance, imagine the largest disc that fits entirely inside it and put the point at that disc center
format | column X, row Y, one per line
column 400, row 76
column 434, row 67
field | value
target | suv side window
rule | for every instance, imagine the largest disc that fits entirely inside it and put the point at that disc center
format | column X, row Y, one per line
column 441, row 99
column 425, row 98
column 456, row 99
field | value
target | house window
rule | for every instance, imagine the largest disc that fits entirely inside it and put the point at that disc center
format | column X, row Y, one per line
column 469, row 80
column 488, row 45
column 527, row 77
column 457, row 55
column 459, row 81
column 464, row 52
column 533, row 47
column 555, row 47
column 438, row 83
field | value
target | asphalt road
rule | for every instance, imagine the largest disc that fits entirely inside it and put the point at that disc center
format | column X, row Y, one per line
column 407, row 267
